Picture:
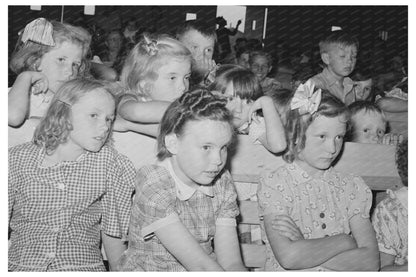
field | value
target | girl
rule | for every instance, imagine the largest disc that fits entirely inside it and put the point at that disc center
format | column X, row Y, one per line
column 155, row 73
column 316, row 218
column 46, row 55
column 242, row 89
column 187, row 200
column 261, row 64
column 68, row 186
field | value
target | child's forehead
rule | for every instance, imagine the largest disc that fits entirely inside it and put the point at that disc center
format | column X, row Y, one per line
column 342, row 47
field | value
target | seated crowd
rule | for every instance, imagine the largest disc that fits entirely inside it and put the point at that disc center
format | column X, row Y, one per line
column 71, row 192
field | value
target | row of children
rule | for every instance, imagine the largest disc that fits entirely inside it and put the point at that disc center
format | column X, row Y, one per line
column 69, row 188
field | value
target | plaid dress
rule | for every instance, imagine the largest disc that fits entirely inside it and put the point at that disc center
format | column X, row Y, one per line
column 161, row 198
column 56, row 213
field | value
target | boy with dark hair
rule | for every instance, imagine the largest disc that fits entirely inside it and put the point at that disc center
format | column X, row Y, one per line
column 339, row 54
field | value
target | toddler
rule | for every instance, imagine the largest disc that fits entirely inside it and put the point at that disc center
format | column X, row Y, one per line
column 183, row 216
column 369, row 124
column 68, row 189
column 315, row 218
column 47, row 54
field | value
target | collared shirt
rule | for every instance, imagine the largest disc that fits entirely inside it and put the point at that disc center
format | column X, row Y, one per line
column 320, row 206
column 325, row 80
column 390, row 222
column 161, row 199
column 56, row 213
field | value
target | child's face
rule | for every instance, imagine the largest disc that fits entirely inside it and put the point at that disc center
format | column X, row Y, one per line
column 368, row 127
column 172, row 81
column 260, row 66
column 363, row 89
column 61, row 64
column 114, row 41
column 340, row 60
column 91, row 120
column 201, row 47
column 243, row 60
column 237, row 106
column 200, row 153
column 324, row 138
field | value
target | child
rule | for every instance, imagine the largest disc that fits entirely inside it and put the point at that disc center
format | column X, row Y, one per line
column 46, row 55
column 200, row 39
column 242, row 88
column 369, row 124
column 390, row 220
column 316, row 218
column 261, row 65
column 339, row 54
column 282, row 98
column 186, row 200
column 155, row 73
column 68, row 188
column 363, row 84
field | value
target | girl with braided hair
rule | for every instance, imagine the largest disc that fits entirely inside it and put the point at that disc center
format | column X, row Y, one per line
column 187, row 200
column 155, row 73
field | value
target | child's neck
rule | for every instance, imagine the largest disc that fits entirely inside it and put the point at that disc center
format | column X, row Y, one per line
column 62, row 154
column 338, row 78
column 312, row 172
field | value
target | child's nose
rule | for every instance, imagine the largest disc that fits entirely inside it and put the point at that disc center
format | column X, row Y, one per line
column 216, row 158
column 331, row 146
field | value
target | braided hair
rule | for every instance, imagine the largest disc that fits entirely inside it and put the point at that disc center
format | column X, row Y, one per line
column 199, row 104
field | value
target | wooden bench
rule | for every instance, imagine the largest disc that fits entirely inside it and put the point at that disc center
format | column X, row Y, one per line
column 373, row 162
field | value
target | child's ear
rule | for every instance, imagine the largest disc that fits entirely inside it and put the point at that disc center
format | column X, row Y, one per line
column 171, row 142
column 325, row 58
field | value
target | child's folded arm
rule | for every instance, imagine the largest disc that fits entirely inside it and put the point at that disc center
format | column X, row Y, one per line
column 365, row 256
column 227, row 248
column 143, row 112
column 304, row 253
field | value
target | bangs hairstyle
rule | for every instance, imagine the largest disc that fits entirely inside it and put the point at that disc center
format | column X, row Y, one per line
column 297, row 125
column 196, row 105
column 55, row 127
column 27, row 56
column 146, row 58
column 340, row 38
column 255, row 54
column 245, row 83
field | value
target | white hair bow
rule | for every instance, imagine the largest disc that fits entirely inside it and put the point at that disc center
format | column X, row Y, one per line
column 306, row 99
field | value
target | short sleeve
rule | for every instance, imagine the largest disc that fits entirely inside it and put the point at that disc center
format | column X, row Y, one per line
column 228, row 208
column 257, row 129
column 155, row 198
column 273, row 193
column 384, row 227
column 359, row 197
column 123, row 98
column 117, row 201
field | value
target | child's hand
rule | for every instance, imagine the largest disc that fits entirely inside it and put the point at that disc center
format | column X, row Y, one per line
column 258, row 105
column 285, row 225
column 121, row 125
column 39, row 82
column 391, row 139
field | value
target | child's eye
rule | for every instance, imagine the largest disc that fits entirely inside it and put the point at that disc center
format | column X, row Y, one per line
column 339, row 137
column 381, row 132
column 322, row 136
column 61, row 60
column 366, row 130
column 206, row 147
column 187, row 77
column 173, row 78
column 94, row 115
column 109, row 119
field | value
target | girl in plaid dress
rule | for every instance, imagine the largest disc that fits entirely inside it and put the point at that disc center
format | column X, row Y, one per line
column 68, row 189
column 46, row 55
column 183, row 215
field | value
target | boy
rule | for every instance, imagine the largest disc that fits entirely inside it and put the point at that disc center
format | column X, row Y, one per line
column 339, row 54
column 200, row 39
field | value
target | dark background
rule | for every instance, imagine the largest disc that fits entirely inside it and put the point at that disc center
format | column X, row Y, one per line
column 299, row 27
